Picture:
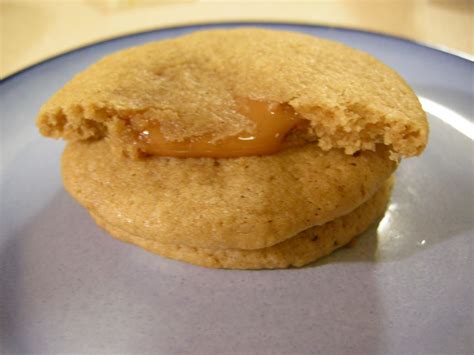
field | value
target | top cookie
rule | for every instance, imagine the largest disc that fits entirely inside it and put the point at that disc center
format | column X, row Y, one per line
column 192, row 85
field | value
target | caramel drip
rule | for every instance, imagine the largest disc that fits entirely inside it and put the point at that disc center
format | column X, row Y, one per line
column 273, row 121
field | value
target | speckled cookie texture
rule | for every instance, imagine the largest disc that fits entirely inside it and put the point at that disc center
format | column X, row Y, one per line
column 245, row 203
column 298, row 251
column 190, row 86
column 330, row 179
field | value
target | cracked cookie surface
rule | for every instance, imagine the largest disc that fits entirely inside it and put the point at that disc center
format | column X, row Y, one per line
column 190, row 86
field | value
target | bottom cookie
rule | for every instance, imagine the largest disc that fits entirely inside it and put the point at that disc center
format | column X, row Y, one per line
column 297, row 251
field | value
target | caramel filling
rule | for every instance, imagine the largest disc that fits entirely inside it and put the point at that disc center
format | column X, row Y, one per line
column 272, row 121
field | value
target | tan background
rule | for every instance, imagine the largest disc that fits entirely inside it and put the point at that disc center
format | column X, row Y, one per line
column 34, row 30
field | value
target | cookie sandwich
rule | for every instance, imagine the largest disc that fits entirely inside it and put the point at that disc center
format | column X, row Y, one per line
column 243, row 148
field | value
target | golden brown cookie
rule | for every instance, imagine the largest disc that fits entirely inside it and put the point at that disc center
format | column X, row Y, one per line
column 236, row 148
column 300, row 250
column 245, row 203
column 192, row 86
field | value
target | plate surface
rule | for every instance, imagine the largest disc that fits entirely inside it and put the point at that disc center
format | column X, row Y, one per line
column 405, row 288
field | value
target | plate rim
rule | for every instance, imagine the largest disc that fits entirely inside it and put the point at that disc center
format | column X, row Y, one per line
column 460, row 55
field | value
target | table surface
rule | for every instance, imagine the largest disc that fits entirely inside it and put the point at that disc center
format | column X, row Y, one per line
column 32, row 31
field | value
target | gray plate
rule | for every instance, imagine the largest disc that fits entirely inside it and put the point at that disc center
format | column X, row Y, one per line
column 405, row 288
